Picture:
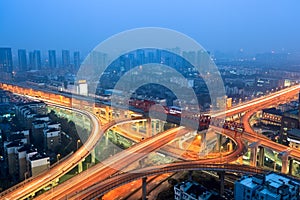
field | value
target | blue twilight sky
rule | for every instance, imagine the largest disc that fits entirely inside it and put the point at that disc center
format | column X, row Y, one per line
column 225, row 25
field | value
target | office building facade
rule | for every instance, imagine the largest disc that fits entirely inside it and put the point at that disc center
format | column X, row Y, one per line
column 22, row 60
column 65, row 56
column 6, row 63
column 76, row 60
column 52, row 58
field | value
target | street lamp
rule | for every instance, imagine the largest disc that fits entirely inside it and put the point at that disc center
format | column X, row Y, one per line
column 78, row 141
column 57, row 157
column 26, row 175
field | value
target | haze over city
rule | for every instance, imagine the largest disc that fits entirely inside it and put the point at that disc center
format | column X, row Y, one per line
column 228, row 26
column 149, row 100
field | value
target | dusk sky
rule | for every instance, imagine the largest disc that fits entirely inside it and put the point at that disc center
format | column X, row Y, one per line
column 225, row 25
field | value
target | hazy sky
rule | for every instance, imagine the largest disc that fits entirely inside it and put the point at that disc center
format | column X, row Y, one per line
column 226, row 25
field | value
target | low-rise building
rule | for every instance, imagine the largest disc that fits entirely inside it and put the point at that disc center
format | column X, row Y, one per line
column 52, row 138
column 271, row 186
column 38, row 163
column 271, row 116
column 11, row 150
column 191, row 191
column 293, row 137
column 290, row 120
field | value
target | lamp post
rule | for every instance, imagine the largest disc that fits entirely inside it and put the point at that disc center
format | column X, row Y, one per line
column 78, row 141
column 26, row 175
column 57, row 157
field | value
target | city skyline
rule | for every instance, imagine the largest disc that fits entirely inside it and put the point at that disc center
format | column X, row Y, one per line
column 249, row 27
column 149, row 99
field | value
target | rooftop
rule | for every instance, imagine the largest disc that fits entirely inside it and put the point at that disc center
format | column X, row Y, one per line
column 273, row 111
column 294, row 133
column 38, row 156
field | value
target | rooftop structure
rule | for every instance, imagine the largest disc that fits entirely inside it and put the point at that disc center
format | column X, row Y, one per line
column 266, row 187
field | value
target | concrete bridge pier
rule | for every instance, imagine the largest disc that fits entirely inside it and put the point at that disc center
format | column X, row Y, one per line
column 261, row 157
column 203, row 144
column 144, row 188
column 100, row 198
column 190, row 175
column 106, row 138
column 291, row 162
column 285, row 161
column 219, row 143
column 149, row 127
column 93, row 157
column 160, row 126
column 230, row 146
column 137, row 127
column 108, row 113
column 253, row 157
column 221, row 178
column 80, row 168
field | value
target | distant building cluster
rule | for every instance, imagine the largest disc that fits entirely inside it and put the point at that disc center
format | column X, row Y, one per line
column 34, row 60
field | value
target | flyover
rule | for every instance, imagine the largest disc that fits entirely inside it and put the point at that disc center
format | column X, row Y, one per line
column 99, row 189
column 115, row 164
column 28, row 187
column 57, row 171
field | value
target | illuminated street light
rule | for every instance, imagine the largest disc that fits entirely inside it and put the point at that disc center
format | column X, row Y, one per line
column 57, row 157
column 78, row 141
column 26, row 175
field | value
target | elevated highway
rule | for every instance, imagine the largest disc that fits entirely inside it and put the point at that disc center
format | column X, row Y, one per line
column 115, row 164
column 27, row 189
column 99, row 189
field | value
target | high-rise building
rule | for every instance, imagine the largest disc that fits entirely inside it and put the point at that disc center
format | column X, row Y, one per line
column 6, row 64
column 22, row 60
column 35, row 61
column 52, row 58
column 65, row 58
column 31, row 61
column 76, row 60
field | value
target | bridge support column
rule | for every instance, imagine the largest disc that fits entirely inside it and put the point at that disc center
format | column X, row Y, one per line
column 107, row 113
column 222, row 178
column 93, row 157
column 106, row 138
column 100, row 198
column 275, row 160
column 137, row 125
column 149, row 127
column 261, row 156
column 291, row 166
column 219, row 143
column 80, row 169
column 285, row 162
column 230, row 146
column 253, row 156
column 160, row 126
column 144, row 188
column 190, row 175
column 154, row 127
column 142, row 162
column 203, row 144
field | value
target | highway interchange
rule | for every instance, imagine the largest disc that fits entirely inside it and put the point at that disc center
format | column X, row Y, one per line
column 24, row 190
